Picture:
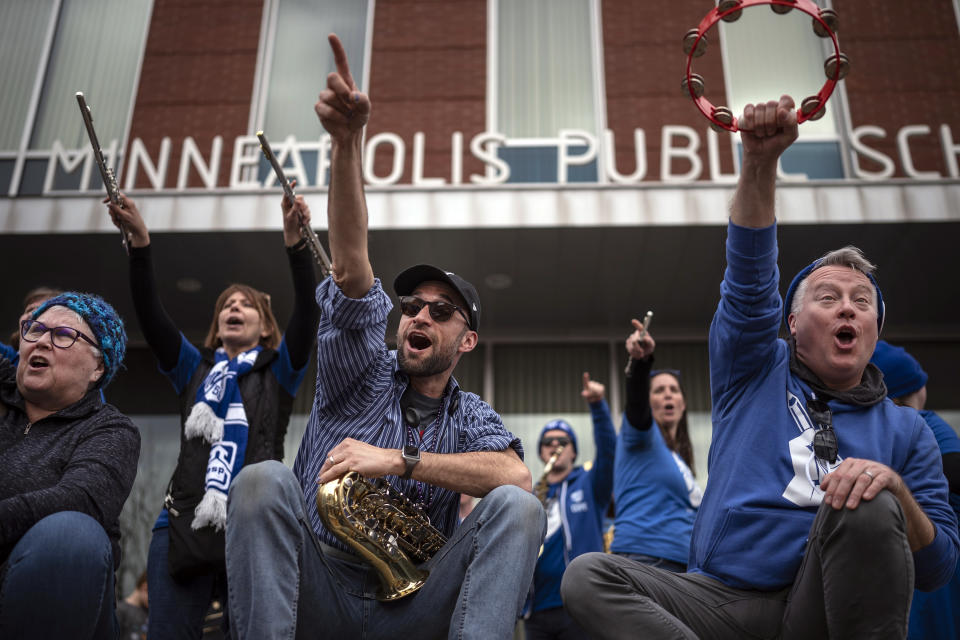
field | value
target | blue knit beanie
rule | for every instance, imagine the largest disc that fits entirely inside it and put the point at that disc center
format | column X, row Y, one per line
column 806, row 271
column 901, row 372
column 106, row 325
column 562, row 425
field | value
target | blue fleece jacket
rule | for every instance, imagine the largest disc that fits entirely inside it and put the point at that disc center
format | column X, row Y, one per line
column 764, row 487
column 583, row 496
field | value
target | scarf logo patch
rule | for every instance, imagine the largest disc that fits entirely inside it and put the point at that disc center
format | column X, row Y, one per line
column 222, row 457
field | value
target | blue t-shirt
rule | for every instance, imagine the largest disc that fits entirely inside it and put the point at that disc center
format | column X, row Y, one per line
column 655, row 495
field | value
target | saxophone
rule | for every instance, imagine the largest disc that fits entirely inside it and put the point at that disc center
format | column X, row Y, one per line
column 542, row 486
column 384, row 527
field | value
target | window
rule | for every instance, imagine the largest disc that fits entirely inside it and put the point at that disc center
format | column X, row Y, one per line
column 545, row 77
column 766, row 55
column 53, row 49
column 295, row 59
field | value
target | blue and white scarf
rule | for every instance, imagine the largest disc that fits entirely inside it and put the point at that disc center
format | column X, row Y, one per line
column 218, row 417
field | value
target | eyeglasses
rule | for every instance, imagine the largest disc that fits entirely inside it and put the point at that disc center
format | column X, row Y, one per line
column 555, row 442
column 62, row 337
column 440, row 310
column 825, row 445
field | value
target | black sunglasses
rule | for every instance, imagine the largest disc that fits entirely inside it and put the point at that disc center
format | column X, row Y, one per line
column 560, row 441
column 825, row 445
column 440, row 310
column 62, row 337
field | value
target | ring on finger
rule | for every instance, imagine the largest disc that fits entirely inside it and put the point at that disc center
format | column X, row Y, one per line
column 867, row 471
column 331, row 460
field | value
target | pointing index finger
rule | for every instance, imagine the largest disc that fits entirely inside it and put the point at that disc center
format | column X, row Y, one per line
column 340, row 58
column 586, row 380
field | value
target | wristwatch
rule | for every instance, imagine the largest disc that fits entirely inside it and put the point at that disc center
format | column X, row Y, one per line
column 411, row 455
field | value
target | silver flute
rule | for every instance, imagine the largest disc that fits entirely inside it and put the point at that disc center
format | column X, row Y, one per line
column 308, row 234
column 109, row 177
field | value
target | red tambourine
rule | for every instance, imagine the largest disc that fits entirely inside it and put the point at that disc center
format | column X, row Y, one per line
column 825, row 25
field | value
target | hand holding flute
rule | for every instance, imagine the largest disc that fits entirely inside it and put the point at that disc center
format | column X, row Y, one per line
column 640, row 343
column 126, row 216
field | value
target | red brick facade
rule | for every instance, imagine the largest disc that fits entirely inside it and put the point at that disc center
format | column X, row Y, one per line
column 428, row 73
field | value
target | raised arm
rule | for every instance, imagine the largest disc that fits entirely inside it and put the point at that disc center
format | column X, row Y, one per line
column 604, row 438
column 158, row 328
column 344, row 111
column 302, row 326
column 767, row 130
column 640, row 346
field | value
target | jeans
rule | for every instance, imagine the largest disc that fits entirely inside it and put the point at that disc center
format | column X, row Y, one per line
column 177, row 608
column 284, row 584
column 59, row 582
column 855, row 582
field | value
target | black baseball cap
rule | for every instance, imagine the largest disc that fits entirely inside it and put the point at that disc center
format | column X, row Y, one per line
column 410, row 279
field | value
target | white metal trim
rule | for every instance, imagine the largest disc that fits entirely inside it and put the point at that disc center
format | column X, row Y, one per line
column 600, row 88
column 35, row 98
column 121, row 151
column 492, row 76
column 258, row 97
column 368, row 48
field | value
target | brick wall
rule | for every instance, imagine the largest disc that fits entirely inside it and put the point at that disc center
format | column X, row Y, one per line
column 197, row 78
column 428, row 73
column 905, row 69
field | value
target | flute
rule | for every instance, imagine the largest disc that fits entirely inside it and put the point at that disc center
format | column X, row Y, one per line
column 308, row 234
column 106, row 173
column 643, row 331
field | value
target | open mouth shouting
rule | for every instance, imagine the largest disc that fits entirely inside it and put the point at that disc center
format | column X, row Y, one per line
column 845, row 337
column 417, row 341
column 38, row 362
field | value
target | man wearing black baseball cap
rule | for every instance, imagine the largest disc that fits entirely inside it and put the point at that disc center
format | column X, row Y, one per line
column 399, row 415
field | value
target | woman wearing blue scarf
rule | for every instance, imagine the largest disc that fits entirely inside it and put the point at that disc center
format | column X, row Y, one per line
column 236, row 393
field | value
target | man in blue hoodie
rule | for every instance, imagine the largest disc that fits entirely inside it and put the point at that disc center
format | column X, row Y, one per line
column 576, row 499
column 934, row 615
column 826, row 502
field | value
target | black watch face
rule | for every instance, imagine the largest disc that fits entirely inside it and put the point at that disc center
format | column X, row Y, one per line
column 410, row 451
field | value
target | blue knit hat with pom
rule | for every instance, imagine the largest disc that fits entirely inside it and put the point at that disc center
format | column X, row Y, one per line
column 106, row 325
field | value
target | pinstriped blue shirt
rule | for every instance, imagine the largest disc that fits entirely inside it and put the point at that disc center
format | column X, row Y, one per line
column 358, row 391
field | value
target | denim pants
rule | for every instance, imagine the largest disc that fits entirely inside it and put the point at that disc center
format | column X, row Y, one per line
column 58, row 582
column 855, row 582
column 284, row 584
column 177, row 607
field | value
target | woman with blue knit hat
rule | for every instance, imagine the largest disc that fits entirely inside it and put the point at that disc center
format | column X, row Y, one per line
column 67, row 464
column 934, row 615
column 236, row 394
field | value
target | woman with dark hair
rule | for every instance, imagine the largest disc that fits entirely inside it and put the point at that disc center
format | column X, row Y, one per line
column 654, row 490
column 235, row 394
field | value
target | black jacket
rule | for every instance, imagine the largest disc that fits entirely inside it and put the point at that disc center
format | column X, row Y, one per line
column 268, row 407
column 81, row 458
